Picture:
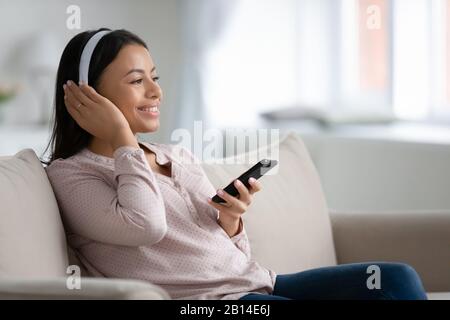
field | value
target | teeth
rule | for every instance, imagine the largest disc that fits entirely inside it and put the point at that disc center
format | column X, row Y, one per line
column 150, row 109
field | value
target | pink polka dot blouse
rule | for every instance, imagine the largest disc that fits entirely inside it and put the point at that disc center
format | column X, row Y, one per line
column 126, row 221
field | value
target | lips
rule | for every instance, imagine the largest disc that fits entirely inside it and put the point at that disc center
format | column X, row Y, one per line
column 151, row 111
column 149, row 108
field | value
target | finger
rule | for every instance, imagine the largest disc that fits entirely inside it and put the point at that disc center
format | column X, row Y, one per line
column 74, row 112
column 218, row 206
column 90, row 92
column 255, row 185
column 72, row 101
column 244, row 194
column 239, row 205
column 78, row 94
column 69, row 99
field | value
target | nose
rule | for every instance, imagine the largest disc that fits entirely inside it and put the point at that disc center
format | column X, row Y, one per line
column 153, row 90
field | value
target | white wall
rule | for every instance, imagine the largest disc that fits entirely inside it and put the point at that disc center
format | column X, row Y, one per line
column 155, row 21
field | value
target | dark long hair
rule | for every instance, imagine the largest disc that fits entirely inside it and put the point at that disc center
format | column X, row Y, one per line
column 68, row 138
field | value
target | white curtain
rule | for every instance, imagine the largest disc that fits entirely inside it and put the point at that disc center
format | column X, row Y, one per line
column 202, row 23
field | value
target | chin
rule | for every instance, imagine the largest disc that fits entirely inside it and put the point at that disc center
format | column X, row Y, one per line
column 148, row 129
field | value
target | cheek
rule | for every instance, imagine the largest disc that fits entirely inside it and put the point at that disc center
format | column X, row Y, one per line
column 126, row 99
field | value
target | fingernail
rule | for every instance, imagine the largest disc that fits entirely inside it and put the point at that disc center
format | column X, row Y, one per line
column 238, row 182
column 252, row 180
column 64, row 86
column 80, row 83
column 220, row 192
column 69, row 83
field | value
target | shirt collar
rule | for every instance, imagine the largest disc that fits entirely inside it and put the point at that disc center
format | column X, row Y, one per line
column 161, row 156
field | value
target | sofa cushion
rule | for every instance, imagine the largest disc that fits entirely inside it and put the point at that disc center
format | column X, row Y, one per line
column 32, row 239
column 438, row 295
column 288, row 224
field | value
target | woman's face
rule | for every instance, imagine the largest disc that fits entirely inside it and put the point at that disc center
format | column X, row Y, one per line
column 130, row 83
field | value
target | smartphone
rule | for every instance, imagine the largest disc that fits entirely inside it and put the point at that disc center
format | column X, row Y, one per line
column 257, row 171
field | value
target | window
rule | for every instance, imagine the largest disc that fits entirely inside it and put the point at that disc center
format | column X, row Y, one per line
column 388, row 57
column 364, row 48
column 402, row 57
column 251, row 67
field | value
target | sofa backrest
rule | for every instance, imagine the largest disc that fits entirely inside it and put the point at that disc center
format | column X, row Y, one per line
column 288, row 223
column 32, row 238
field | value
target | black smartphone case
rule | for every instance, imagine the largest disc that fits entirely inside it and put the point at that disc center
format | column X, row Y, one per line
column 257, row 171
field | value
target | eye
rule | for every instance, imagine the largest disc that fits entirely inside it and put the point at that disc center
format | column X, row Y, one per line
column 138, row 81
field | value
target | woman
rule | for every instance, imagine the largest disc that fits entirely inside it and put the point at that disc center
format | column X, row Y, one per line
column 133, row 209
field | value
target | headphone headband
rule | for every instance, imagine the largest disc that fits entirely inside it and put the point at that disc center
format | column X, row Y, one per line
column 87, row 54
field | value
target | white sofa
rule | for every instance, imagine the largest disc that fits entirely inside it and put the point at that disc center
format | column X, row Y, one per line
column 289, row 225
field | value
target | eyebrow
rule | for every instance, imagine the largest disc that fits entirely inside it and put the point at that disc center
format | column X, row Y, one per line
column 139, row 70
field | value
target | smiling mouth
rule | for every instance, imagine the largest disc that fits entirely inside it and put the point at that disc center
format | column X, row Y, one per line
column 148, row 109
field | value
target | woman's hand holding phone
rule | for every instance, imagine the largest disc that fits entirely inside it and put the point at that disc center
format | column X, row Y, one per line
column 230, row 212
column 233, row 201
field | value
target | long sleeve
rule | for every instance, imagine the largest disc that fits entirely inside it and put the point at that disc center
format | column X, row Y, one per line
column 241, row 241
column 130, row 214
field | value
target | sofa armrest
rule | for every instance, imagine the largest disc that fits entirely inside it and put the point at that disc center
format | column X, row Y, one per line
column 90, row 288
column 419, row 238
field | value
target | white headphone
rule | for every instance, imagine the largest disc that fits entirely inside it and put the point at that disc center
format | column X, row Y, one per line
column 87, row 54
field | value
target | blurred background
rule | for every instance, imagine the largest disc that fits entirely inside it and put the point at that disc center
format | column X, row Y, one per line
column 366, row 83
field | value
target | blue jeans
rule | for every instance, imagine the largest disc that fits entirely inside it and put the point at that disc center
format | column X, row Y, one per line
column 348, row 282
